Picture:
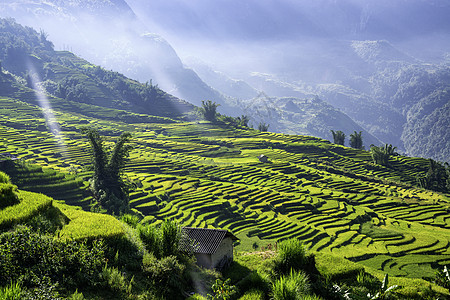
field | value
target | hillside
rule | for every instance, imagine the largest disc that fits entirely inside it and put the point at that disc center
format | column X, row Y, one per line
column 395, row 97
column 368, row 219
column 332, row 197
column 128, row 45
column 29, row 55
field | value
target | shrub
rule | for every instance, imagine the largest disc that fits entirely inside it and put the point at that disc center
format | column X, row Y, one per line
column 162, row 241
column 291, row 254
column 166, row 274
column 29, row 255
column 8, row 195
column 253, row 281
column 222, row 290
column 253, row 295
column 76, row 296
column 170, row 237
column 291, row 287
column 115, row 280
column 151, row 239
column 443, row 278
column 131, row 220
column 4, row 178
column 12, row 292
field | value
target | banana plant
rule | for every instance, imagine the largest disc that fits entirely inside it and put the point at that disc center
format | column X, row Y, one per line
column 384, row 291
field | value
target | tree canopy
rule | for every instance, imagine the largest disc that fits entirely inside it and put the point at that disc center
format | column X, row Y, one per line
column 107, row 185
column 209, row 110
column 338, row 137
column 356, row 140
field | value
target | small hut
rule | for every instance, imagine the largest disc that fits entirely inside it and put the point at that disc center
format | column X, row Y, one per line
column 213, row 248
column 262, row 158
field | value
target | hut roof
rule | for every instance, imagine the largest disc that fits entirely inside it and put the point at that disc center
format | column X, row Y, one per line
column 205, row 240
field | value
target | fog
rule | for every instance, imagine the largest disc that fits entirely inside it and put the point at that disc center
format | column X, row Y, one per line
column 373, row 60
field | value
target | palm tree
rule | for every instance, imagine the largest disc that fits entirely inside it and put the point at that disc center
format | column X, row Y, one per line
column 107, row 184
column 209, row 110
column 263, row 127
column 243, row 120
column 381, row 155
column 338, row 137
column 356, row 140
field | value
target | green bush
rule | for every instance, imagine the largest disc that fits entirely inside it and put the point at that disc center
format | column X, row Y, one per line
column 291, row 287
column 292, row 254
column 76, row 296
column 131, row 220
column 115, row 280
column 166, row 274
column 443, row 278
column 151, row 238
column 4, row 178
column 253, row 281
column 253, row 295
column 12, row 292
column 25, row 254
column 8, row 195
column 163, row 241
column 222, row 290
column 170, row 238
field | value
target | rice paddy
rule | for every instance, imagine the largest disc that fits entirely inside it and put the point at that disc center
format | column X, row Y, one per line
column 331, row 197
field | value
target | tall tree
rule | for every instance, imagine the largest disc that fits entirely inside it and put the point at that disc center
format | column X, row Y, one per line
column 437, row 177
column 356, row 140
column 107, row 185
column 209, row 110
column 338, row 137
column 243, row 120
column 263, row 127
column 381, row 155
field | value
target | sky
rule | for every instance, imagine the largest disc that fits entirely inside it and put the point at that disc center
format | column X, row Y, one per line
column 217, row 29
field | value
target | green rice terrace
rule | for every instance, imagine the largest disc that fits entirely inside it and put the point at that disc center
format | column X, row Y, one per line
column 333, row 198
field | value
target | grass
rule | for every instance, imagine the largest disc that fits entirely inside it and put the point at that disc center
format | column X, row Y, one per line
column 336, row 267
column 86, row 225
column 30, row 205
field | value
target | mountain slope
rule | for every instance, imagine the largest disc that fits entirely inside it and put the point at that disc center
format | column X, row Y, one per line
column 30, row 56
column 126, row 46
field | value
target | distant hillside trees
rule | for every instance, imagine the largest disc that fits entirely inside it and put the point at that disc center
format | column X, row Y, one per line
column 356, row 140
column 107, row 184
column 263, row 127
column 338, row 137
column 209, row 110
column 381, row 155
column 437, row 177
column 243, row 120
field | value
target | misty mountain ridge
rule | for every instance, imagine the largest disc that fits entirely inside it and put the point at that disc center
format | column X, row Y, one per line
column 358, row 57
column 381, row 95
column 125, row 45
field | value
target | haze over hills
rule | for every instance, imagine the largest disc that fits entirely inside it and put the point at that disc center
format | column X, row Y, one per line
column 385, row 64
column 357, row 215
column 376, row 61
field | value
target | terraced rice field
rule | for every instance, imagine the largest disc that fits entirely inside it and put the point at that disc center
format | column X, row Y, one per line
column 331, row 197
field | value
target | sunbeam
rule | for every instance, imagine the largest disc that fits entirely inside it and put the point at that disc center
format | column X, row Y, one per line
column 46, row 109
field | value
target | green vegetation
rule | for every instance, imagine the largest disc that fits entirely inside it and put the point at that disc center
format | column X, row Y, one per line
column 381, row 155
column 263, row 127
column 107, row 185
column 209, row 110
column 356, row 140
column 338, row 137
column 293, row 286
column 316, row 210
column 437, row 178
